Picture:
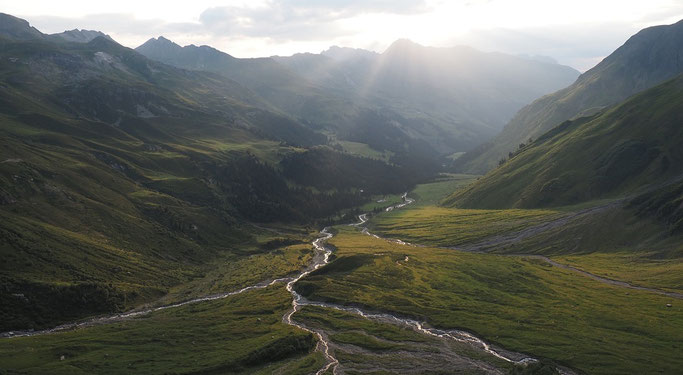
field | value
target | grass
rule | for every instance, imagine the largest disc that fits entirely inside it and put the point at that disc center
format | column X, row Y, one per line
column 339, row 321
column 232, row 273
column 380, row 202
column 239, row 334
column 644, row 269
column 522, row 304
column 431, row 225
column 362, row 149
column 370, row 346
column 615, row 153
column 425, row 223
column 431, row 193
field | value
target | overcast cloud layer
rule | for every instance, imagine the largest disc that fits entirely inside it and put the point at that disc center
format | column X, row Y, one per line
column 578, row 33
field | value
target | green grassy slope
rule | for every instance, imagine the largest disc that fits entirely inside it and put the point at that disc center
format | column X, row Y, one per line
column 240, row 334
column 637, row 241
column 648, row 58
column 431, row 225
column 612, row 154
column 567, row 317
column 522, row 304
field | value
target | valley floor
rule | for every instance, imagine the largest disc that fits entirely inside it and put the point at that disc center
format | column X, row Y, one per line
column 506, row 294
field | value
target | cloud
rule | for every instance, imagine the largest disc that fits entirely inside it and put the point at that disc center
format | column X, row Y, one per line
column 298, row 19
column 108, row 23
column 562, row 30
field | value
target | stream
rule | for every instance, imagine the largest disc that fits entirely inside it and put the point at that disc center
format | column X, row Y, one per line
column 320, row 259
column 323, row 344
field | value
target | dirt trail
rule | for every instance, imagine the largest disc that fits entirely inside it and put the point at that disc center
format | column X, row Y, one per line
column 515, row 237
column 603, row 279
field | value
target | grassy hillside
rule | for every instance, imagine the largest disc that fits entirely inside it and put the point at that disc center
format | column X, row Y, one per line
column 648, row 58
column 121, row 178
column 430, row 225
column 525, row 303
column 520, row 303
column 615, row 153
column 240, row 334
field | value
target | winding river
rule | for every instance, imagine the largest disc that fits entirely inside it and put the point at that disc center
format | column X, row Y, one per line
column 320, row 259
column 323, row 344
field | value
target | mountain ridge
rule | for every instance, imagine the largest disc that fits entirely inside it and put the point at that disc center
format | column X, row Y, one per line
column 621, row 151
column 17, row 28
column 647, row 58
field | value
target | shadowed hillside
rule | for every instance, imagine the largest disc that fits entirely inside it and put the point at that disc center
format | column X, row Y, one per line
column 648, row 58
column 621, row 151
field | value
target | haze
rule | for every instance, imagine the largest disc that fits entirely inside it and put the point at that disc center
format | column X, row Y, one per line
column 576, row 33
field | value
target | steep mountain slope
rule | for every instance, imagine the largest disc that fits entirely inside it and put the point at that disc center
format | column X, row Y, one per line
column 619, row 152
column 646, row 59
column 16, row 28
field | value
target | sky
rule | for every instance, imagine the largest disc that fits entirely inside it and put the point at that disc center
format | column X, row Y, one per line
column 578, row 33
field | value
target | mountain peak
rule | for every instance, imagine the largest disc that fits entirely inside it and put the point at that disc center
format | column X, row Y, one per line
column 162, row 39
column 347, row 53
column 159, row 42
column 17, row 28
column 80, row 36
column 163, row 49
column 402, row 45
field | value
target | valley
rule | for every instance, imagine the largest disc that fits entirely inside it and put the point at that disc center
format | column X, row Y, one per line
column 171, row 209
column 459, row 292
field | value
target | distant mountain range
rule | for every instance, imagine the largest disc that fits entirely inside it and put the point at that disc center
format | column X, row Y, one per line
column 648, row 58
column 121, row 176
column 450, row 98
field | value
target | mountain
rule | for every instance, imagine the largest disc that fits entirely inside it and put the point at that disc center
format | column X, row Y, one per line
column 487, row 87
column 423, row 95
column 270, row 80
column 79, row 36
column 454, row 96
column 347, row 53
column 646, row 59
column 190, row 57
column 121, row 177
column 16, row 28
column 632, row 148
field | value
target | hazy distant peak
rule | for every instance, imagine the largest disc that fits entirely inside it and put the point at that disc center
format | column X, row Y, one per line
column 347, row 53
column 403, row 45
column 17, row 28
column 80, row 36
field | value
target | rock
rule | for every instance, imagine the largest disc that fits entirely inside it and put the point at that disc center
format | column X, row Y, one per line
column 668, row 305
